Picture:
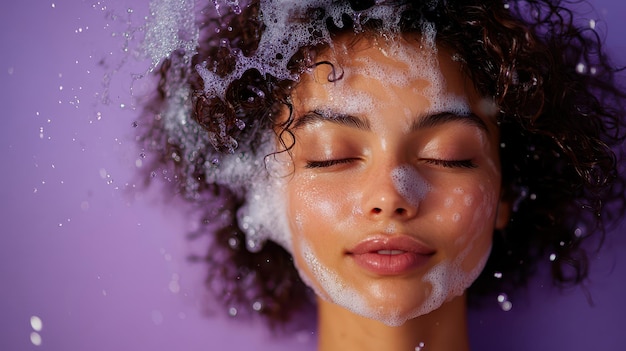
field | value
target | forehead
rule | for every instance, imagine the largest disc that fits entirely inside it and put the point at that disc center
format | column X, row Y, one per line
column 355, row 70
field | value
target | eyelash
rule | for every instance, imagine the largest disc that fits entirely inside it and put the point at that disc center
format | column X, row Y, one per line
column 467, row 164
column 328, row 163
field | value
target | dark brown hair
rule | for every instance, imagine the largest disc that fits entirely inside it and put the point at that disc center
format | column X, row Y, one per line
column 561, row 118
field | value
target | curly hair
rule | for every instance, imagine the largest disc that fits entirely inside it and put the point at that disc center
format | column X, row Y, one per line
column 561, row 113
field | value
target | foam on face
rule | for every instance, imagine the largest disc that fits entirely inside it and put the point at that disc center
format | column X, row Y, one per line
column 443, row 282
column 409, row 184
column 329, row 286
column 415, row 64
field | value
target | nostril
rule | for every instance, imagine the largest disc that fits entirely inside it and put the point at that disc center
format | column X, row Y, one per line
column 376, row 210
column 400, row 211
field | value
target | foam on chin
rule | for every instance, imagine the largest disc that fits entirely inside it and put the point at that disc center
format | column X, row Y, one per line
column 446, row 279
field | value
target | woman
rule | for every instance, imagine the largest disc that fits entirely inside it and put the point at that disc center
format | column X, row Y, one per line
column 397, row 152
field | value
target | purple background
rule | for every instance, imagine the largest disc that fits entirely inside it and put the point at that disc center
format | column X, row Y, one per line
column 105, row 267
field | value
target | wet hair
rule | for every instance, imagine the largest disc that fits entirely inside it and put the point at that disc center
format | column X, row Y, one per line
column 561, row 116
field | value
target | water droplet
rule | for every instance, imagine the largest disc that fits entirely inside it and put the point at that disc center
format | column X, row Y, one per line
column 240, row 124
column 581, row 68
column 552, row 257
column 502, row 298
column 254, row 245
column 257, row 306
column 233, row 243
column 36, row 323
column 174, row 286
column 232, row 311
column 35, row 338
column 498, row 275
column 503, row 301
column 420, row 346
column 578, row 232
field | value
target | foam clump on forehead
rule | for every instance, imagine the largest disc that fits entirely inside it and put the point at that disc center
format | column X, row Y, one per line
column 391, row 61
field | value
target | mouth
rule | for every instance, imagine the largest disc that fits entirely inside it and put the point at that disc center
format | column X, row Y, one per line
column 390, row 255
column 390, row 252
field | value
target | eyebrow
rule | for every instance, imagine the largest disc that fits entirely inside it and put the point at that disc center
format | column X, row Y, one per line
column 332, row 117
column 427, row 121
column 437, row 119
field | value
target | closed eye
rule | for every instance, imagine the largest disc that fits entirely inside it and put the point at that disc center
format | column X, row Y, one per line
column 468, row 164
column 328, row 163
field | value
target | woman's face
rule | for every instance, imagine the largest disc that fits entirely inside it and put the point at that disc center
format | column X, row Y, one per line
column 396, row 184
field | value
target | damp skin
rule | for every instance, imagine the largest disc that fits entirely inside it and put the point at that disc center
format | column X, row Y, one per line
column 372, row 162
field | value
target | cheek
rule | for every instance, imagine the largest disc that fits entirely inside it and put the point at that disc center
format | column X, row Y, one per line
column 472, row 212
column 316, row 213
column 320, row 206
column 308, row 202
column 465, row 214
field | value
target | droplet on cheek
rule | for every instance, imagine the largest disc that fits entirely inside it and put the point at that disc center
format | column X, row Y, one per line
column 468, row 200
column 327, row 209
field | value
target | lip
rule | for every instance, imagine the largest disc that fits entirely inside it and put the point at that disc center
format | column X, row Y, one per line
column 390, row 255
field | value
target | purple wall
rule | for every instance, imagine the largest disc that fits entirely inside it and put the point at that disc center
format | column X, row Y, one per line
column 104, row 267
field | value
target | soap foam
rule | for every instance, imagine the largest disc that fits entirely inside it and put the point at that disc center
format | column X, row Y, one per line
column 409, row 184
column 447, row 280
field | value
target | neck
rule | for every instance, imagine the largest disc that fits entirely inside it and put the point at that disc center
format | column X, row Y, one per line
column 442, row 329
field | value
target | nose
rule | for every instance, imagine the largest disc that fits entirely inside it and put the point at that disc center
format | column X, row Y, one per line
column 395, row 194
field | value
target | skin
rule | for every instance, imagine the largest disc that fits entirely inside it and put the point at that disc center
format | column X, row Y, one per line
column 372, row 161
